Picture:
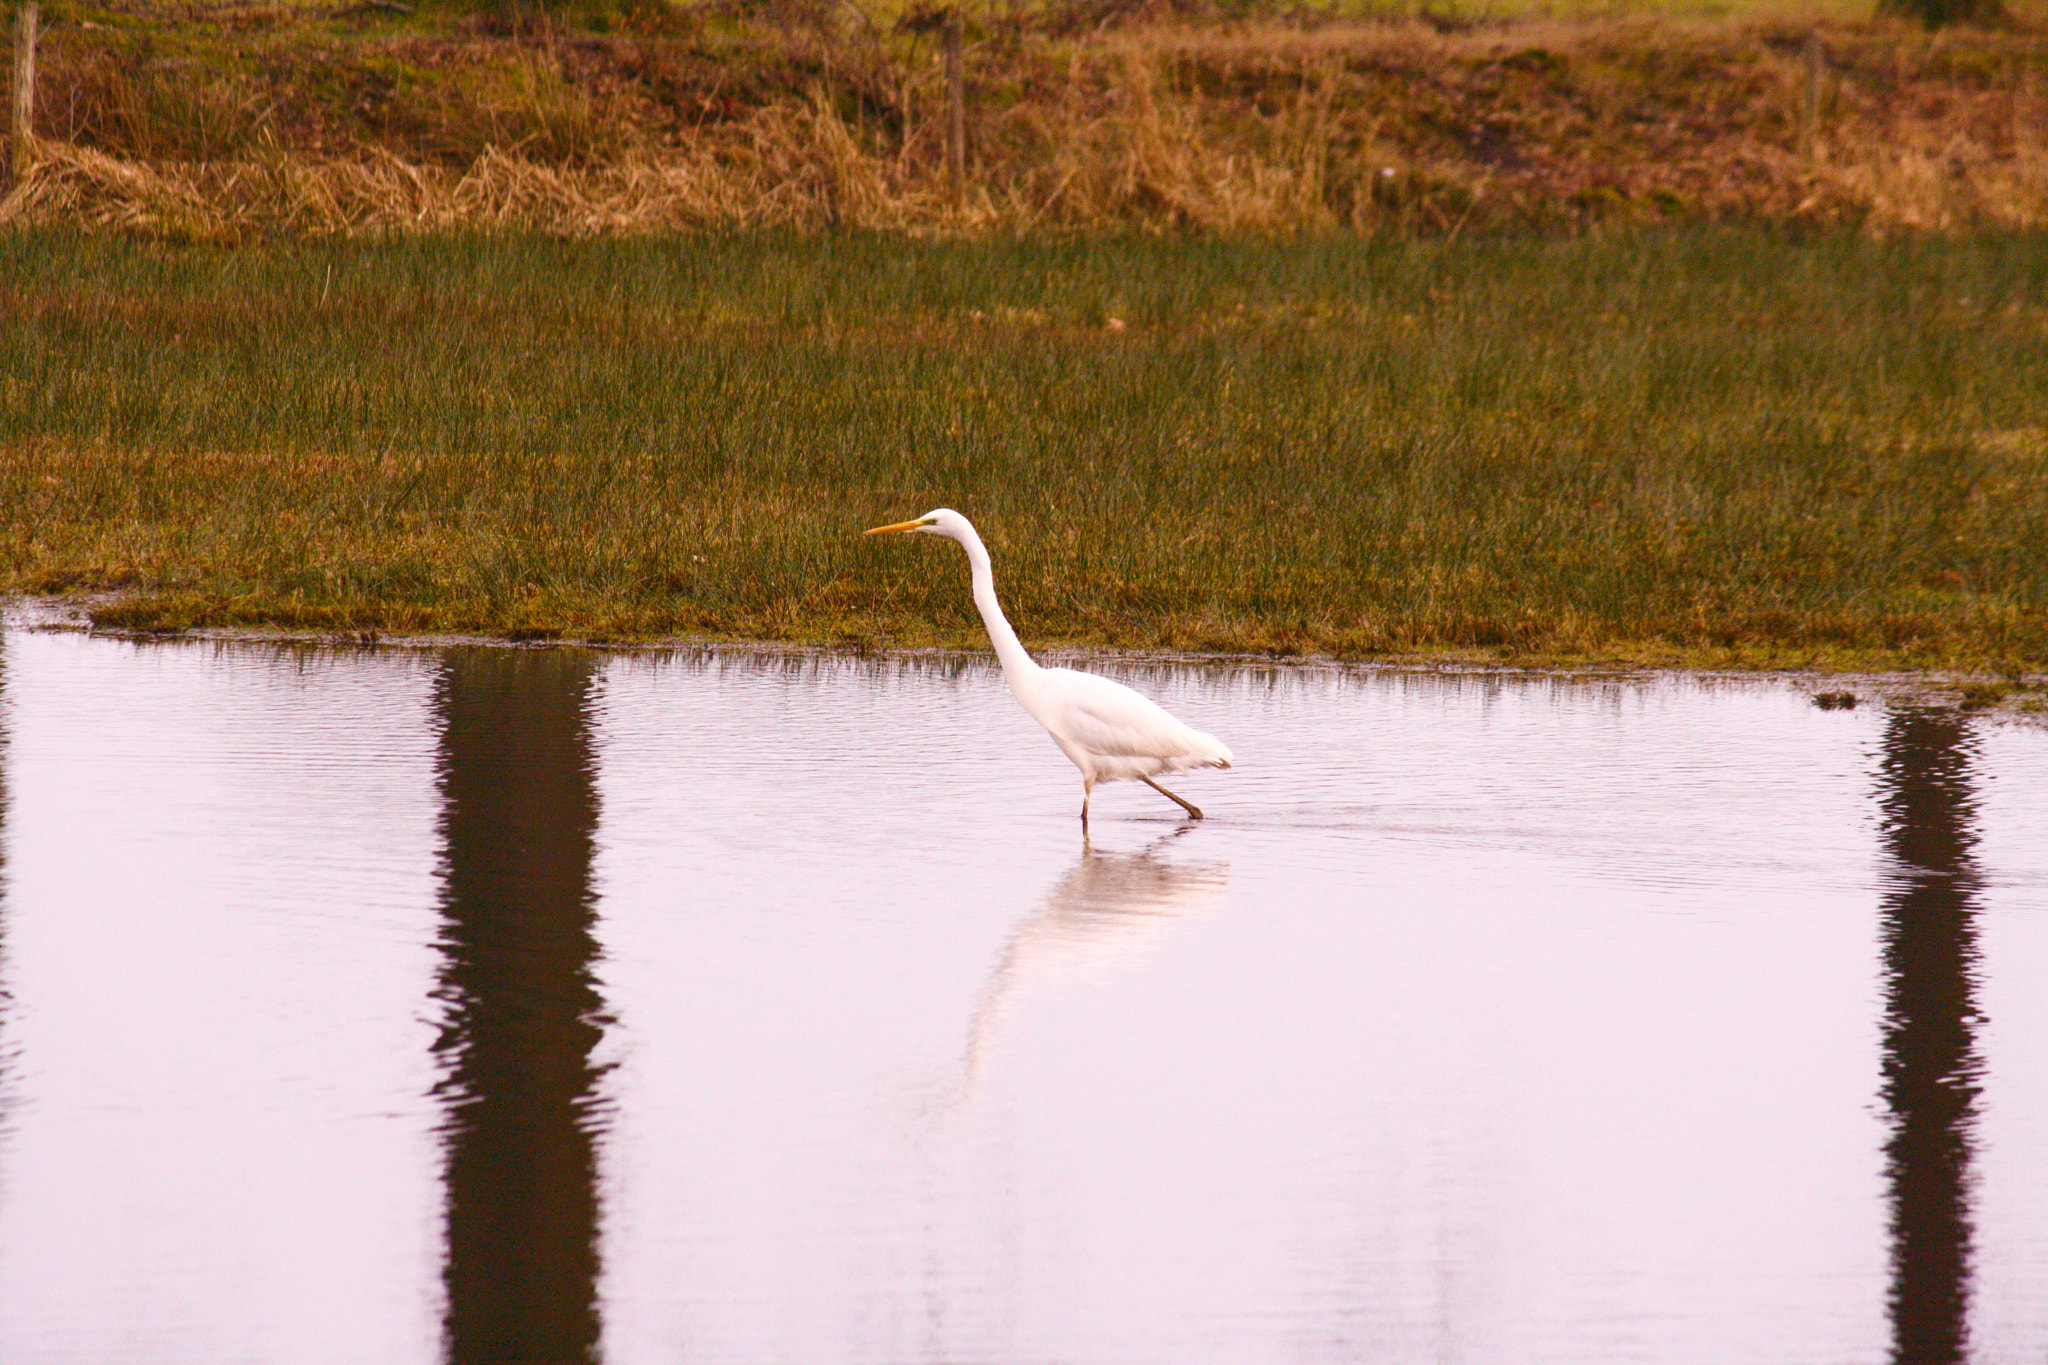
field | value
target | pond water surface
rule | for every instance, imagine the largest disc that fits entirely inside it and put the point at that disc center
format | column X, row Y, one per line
column 500, row 1005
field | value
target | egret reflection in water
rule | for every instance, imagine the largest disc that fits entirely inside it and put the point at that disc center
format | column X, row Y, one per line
column 444, row 1007
column 1109, row 907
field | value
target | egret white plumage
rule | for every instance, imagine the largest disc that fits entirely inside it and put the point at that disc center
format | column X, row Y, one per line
column 1109, row 731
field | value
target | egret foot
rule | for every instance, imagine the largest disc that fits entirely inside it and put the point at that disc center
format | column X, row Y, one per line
column 1194, row 811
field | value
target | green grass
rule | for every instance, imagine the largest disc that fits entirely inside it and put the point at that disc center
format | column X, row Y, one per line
column 1702, row 446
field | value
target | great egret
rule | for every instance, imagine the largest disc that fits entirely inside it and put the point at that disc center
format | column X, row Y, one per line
column 1107, row 729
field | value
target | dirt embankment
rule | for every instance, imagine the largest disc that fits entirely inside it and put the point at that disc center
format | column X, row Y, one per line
column 255, row 120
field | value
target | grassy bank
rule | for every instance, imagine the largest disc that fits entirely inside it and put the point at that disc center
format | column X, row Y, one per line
column 220, row 120
column 1699, row 446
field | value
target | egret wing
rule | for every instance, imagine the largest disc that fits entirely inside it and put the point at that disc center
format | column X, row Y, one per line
column 1111, row 721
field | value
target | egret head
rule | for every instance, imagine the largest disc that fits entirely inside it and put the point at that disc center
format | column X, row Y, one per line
column 940, row 521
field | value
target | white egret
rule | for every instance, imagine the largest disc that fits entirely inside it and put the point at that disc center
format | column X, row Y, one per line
column 1107, row 729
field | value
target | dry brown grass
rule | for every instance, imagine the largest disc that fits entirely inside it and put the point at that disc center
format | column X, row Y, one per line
column 1347, row 127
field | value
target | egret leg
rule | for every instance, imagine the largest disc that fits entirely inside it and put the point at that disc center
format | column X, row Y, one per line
column 1194, row 811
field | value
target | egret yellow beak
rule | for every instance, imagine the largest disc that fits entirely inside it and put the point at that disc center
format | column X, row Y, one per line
column 899, row 526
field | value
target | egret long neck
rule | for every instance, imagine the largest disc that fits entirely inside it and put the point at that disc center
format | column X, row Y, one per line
column 1017, row 664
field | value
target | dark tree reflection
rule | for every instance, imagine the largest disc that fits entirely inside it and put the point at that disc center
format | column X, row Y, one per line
column 1931, row 1067
column 519, row 818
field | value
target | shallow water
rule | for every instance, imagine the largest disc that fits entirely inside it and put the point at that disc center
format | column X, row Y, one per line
column 491, row 1005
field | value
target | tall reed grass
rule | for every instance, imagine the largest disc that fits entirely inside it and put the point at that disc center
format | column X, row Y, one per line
column 1697, row 445
column 764, row 120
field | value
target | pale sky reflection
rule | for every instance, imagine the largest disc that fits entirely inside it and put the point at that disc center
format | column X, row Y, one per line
column 1488, row 1017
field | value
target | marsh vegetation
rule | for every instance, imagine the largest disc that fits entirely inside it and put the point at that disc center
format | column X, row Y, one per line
column 220, row 120
column 1694, row 445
